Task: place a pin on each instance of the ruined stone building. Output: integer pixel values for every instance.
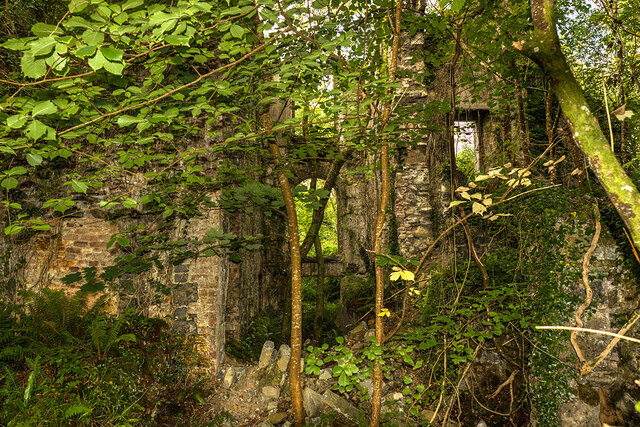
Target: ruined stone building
(214, 297)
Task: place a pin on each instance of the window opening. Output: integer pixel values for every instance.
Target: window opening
(465, 138)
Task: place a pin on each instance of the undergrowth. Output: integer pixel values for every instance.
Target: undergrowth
(66, 362)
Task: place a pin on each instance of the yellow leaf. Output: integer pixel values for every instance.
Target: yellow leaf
(487, 202)
(384, 312)
(478, 208)
(407, 275)
(395, 275)
(459, 189)
(465, 195)
(477, 196)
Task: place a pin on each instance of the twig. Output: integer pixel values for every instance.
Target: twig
(504, 384)
(591, 366)
(593, 331)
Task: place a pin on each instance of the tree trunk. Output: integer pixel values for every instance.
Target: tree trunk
(319, 314)
(376, 399)
(296, 284)
(543, 47)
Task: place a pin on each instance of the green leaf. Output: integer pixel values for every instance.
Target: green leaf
(43, 47)
(97, 61)
(167, 213)
(114, 67)
(17, 170)
(32, 67)
(237, 31)
(46, 30)
(85, 51)
(9, 183)
(132, 4)
(111, 53)
(78, 5)
(36, 130)
(40, 227)
(91, 37)
(14, 44)
(17, 121)
(44, 107)
(79, 186)
(456, 5)
(13, 229)
(129, 203)
(124, 121)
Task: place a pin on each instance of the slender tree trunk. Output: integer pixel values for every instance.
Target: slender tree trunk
(296, 283)
(523, 131)
(543, 47)
(319, 314)
(548, 109)
(376, 400)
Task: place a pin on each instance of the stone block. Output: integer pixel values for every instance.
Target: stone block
(277, 417)
(185, 294)
(270, 392)
(283, 357)
(311, 401)
(341, 406)
(266, 354)
(181, 268)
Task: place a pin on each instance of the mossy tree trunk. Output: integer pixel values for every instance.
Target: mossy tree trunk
(543, 47)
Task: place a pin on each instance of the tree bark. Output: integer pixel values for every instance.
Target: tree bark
(296, 283)
(543, 47)
(376, 399)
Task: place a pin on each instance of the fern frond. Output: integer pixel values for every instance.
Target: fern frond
(76, 409)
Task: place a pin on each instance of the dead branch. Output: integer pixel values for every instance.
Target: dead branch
(588, 292)
(504, 384)
(592, 331)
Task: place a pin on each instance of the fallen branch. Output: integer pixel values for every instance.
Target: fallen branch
(592, 331)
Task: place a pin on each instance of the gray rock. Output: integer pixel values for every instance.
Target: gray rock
(272, 405)
(284, 355)
(266, 354)
(341, 406)
(367, 385)
(277, 417)
(369, 334)
(362, 326)
(270, 392)
(578, 413)
(325, 374)
(311, 401)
